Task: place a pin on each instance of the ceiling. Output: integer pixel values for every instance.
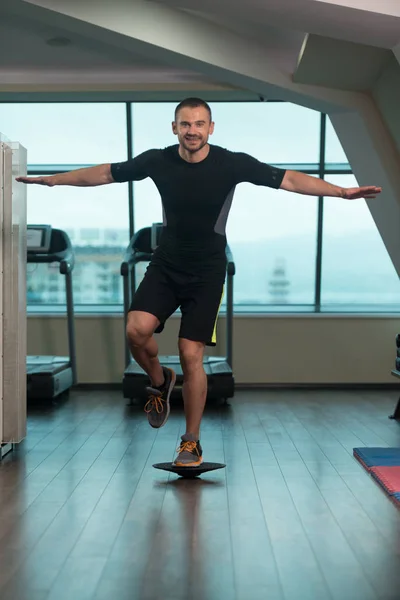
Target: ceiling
(283, 44)
(21, 34)
(338, 19)
(25, 56)
(279, 27)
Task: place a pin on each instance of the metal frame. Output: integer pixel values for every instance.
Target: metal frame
(230, 308)
(396, 414)
(129, 151)
(66, 265)
(320, 224)
(71, 325)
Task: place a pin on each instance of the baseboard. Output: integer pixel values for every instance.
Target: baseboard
(96, 387)
(264, 386)
(317, 386)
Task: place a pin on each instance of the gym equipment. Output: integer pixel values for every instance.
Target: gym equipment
(50, 376)
(372, 457)
(383, 464)
(396, 373)
(388, 477)
(396, 414)
(189, 472)
(12, 296)
(218, 368)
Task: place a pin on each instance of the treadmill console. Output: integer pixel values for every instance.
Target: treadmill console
(38, 238)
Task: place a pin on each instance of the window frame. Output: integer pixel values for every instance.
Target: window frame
(321, 169)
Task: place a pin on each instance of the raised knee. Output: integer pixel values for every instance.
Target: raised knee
(137, 334)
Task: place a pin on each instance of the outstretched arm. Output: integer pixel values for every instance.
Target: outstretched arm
(294, 181)
(91, 176)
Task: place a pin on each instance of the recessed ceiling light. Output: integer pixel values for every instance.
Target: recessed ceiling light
(58, 41)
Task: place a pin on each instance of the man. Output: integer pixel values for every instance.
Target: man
(196, 182)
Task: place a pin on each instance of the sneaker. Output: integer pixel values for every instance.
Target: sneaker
(190, 452)
(157, 406)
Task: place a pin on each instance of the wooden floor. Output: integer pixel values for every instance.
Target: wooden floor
(83, 515)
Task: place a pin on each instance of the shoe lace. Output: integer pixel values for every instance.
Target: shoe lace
(189, 446)
(154, 403)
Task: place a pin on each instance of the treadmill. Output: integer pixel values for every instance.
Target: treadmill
(218, 368)
(50, 376)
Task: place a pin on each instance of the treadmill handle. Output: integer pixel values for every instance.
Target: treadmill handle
(130, 260)
(230, 266)
(68, 262)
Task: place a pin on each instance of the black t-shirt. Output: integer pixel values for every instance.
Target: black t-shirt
(196, 199)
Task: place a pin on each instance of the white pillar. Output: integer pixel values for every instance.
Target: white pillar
(12, 294)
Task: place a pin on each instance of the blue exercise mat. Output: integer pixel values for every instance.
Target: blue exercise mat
(396, 498)
(378, 457)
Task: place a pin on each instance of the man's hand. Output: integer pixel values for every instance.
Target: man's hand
(367, 192)
(39, 180)
(295, 181)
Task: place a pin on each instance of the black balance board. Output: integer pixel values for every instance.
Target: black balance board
(189, 472)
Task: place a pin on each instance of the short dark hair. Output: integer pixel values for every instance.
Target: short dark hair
(193, 103)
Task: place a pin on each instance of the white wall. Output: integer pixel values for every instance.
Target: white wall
(267, 350)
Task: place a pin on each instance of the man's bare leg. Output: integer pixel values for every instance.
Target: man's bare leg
(194, 383)
(140, 329)
(143, 346)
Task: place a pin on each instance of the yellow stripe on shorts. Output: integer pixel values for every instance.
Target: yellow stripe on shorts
(214, 335)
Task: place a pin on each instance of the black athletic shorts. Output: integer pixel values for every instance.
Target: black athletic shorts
(163, 290)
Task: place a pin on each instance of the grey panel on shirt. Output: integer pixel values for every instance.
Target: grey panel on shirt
(220, 225)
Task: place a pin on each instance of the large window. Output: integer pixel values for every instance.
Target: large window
(97, 222)
(272, 234)
(357, 272)
(277, 132)
(67, 134)
(356, 268)
(62, 137)
(291, 252)
(151, 128)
